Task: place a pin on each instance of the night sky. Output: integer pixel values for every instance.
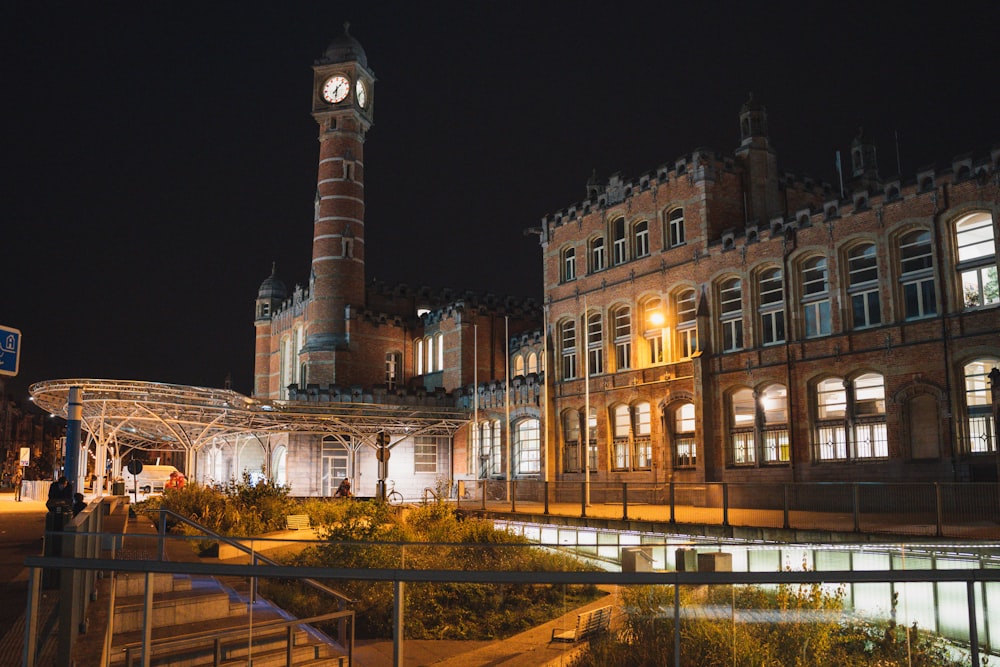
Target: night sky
(159, 156)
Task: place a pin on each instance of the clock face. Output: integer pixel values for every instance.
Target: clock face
(336, 88)
(361, 93)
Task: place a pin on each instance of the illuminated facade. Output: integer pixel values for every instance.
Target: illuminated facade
(725, 321)
(343, 341)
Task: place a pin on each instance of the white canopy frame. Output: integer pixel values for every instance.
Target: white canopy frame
(153, 416)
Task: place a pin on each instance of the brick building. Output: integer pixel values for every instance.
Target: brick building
(725, 321)
(716, 318)
(342, 341)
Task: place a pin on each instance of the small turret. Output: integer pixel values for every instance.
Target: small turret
(864, 165)
(270, 295)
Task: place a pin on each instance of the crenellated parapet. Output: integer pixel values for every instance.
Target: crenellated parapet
(525, 391)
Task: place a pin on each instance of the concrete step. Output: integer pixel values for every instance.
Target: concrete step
(134, 583)
(268, 649)
(198, 604)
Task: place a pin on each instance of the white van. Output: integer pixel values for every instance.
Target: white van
(152, 479)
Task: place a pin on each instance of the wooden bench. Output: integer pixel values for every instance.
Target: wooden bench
(297, 521)
(587, 623)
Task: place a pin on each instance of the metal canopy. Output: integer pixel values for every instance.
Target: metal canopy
(153, 415)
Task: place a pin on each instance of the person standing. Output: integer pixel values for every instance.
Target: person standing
(18, 478)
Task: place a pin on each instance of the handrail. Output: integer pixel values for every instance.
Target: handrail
(247, 550)
(429, 490)
(219, 636)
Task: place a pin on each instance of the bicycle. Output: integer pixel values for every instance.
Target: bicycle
(392, 496)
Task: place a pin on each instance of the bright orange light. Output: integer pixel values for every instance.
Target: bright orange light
(656, 318)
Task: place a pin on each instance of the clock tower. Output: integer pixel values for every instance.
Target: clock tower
(342, 102)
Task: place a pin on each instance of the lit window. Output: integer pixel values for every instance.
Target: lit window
(595, 344)
(815, 297)
(568, 348)
(527, 447)
(977, 260)
(640, 234)
(621, 430)
(870, 438)
(831, 411)
(862, 266)
(642, 447)
(653, 320)
(418, 356)
(773, 408)
(981, 431)
(772, 307)
(685, 446)
(741, 429)
(425, 454)
(687, 324)
(518, 365)
(623, 338)
(440, 351)
(430, 355)
(731, 305)
(532, 362)
(916, 263)
(675, 223)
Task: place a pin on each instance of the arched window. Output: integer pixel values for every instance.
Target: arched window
(279, 470)
(623, 338)
(567, 348)
(620, 242)
(743, 450)
(682, 429)
(642, 446)
(863, 288)
(440, 351)
(731, 314)
(489, 450)
(685, 304)
(640, 239)
(532, 362)
(831, 412)
(598, 259)
(431, 356)
(653, 330)
(771, 294)
(568, 265)
(916, 267)
(675, 226)
(975, 241)
(418, 355)
(571, 441)
(870, 439)
(527, 447)
(773, 408)
(981, 431)
(621, 428)
(595, 344)
(518, 365)
(816, 297)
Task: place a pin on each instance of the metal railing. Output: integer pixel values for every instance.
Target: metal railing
(979, 586)
(935, 509)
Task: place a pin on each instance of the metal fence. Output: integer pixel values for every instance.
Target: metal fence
(960, 510)
(972, 604)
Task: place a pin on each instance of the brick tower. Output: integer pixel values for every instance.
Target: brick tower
(343, 98)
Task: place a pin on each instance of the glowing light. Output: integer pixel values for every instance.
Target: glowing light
(656, 318)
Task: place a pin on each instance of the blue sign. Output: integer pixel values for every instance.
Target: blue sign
(10, 350)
